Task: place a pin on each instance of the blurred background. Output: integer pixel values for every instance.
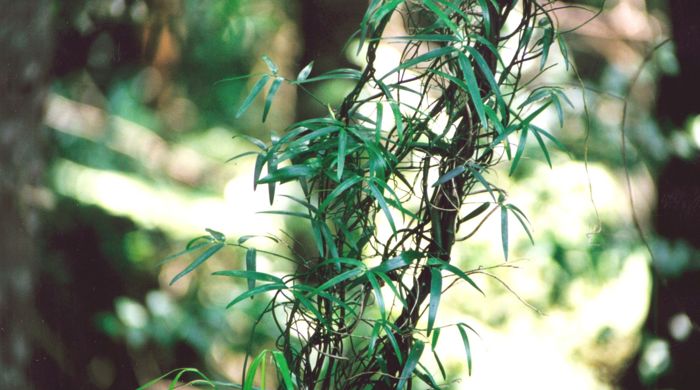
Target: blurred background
(116, 121)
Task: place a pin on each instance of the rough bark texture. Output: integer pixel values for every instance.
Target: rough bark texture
(25, 45)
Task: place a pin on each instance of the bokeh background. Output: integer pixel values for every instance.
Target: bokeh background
(116, 121)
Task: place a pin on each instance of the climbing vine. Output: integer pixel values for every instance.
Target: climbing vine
(388, 180)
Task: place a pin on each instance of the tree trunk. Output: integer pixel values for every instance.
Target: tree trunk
(25, 45)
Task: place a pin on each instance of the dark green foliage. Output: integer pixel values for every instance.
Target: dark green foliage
(455, 105)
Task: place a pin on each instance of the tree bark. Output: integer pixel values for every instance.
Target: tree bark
(25, 41)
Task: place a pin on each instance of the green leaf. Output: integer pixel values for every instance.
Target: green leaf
(519, 152)
(474, 169)
(522, 219)
(554, 140)
(336, 74)
(255, 91)
(434, 340)
(270, 65)
(198, 261)
(439, 363)
(423, 374)
(287, 213)
(192, 246)
(538, 137)
(392, 340)
(436, 53)
(393, 288)
(504, 231)
(435, 294)
(250, 375)
(456, 271)
(259, 163)
(342, 149)
(563, 49)
(176, 381)
(377, 290)
(398, 119)
(373, 338)
(288, 173)
(473, 88)
(450, 175)
(304, 73)
(271, 95)
(488, 75)
(385, 10)
(421, 38)
(308, 305)
(547, 39)
(400, 261)
(250, 275)
(442, 16)
(217, 236)
(271, 169)
(467, 348)
(257, 290)
(411, 362)
(236, 157)
(382, 204)
(283, 369)
(337, 191)
(476, 212)
(251, 265)
(486, 17)
(341, 278)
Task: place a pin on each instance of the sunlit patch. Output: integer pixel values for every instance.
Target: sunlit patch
(680, 326)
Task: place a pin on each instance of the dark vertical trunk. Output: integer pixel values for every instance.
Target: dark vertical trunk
(25, 44)
(677, 212)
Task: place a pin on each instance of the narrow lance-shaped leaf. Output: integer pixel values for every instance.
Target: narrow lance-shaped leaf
(442, 16)
(450, 175)
(198, 261)
(519, 151)
(283, 369)
(439, 363)
(342, 187)
(543, 147)
(467, 348)
(340, 278)
(342, 149)
(250, 375)
(476, 212)
(270, 65)
(254, 92)
(435, 294)
(522, 219)
(257, 290)
(271, 95)
(474, 169)
(398, 119)
(411, 362)
(547, 39)
(378, 297)
(304, 73)
(486, 15)
(382, 204)
(259, 163)
(473, 88)
(254, 275)
(504, 231)
(456, 271)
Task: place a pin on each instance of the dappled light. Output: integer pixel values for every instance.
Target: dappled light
(209, 193)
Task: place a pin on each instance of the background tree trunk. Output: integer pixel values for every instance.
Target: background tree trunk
(25, 44)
